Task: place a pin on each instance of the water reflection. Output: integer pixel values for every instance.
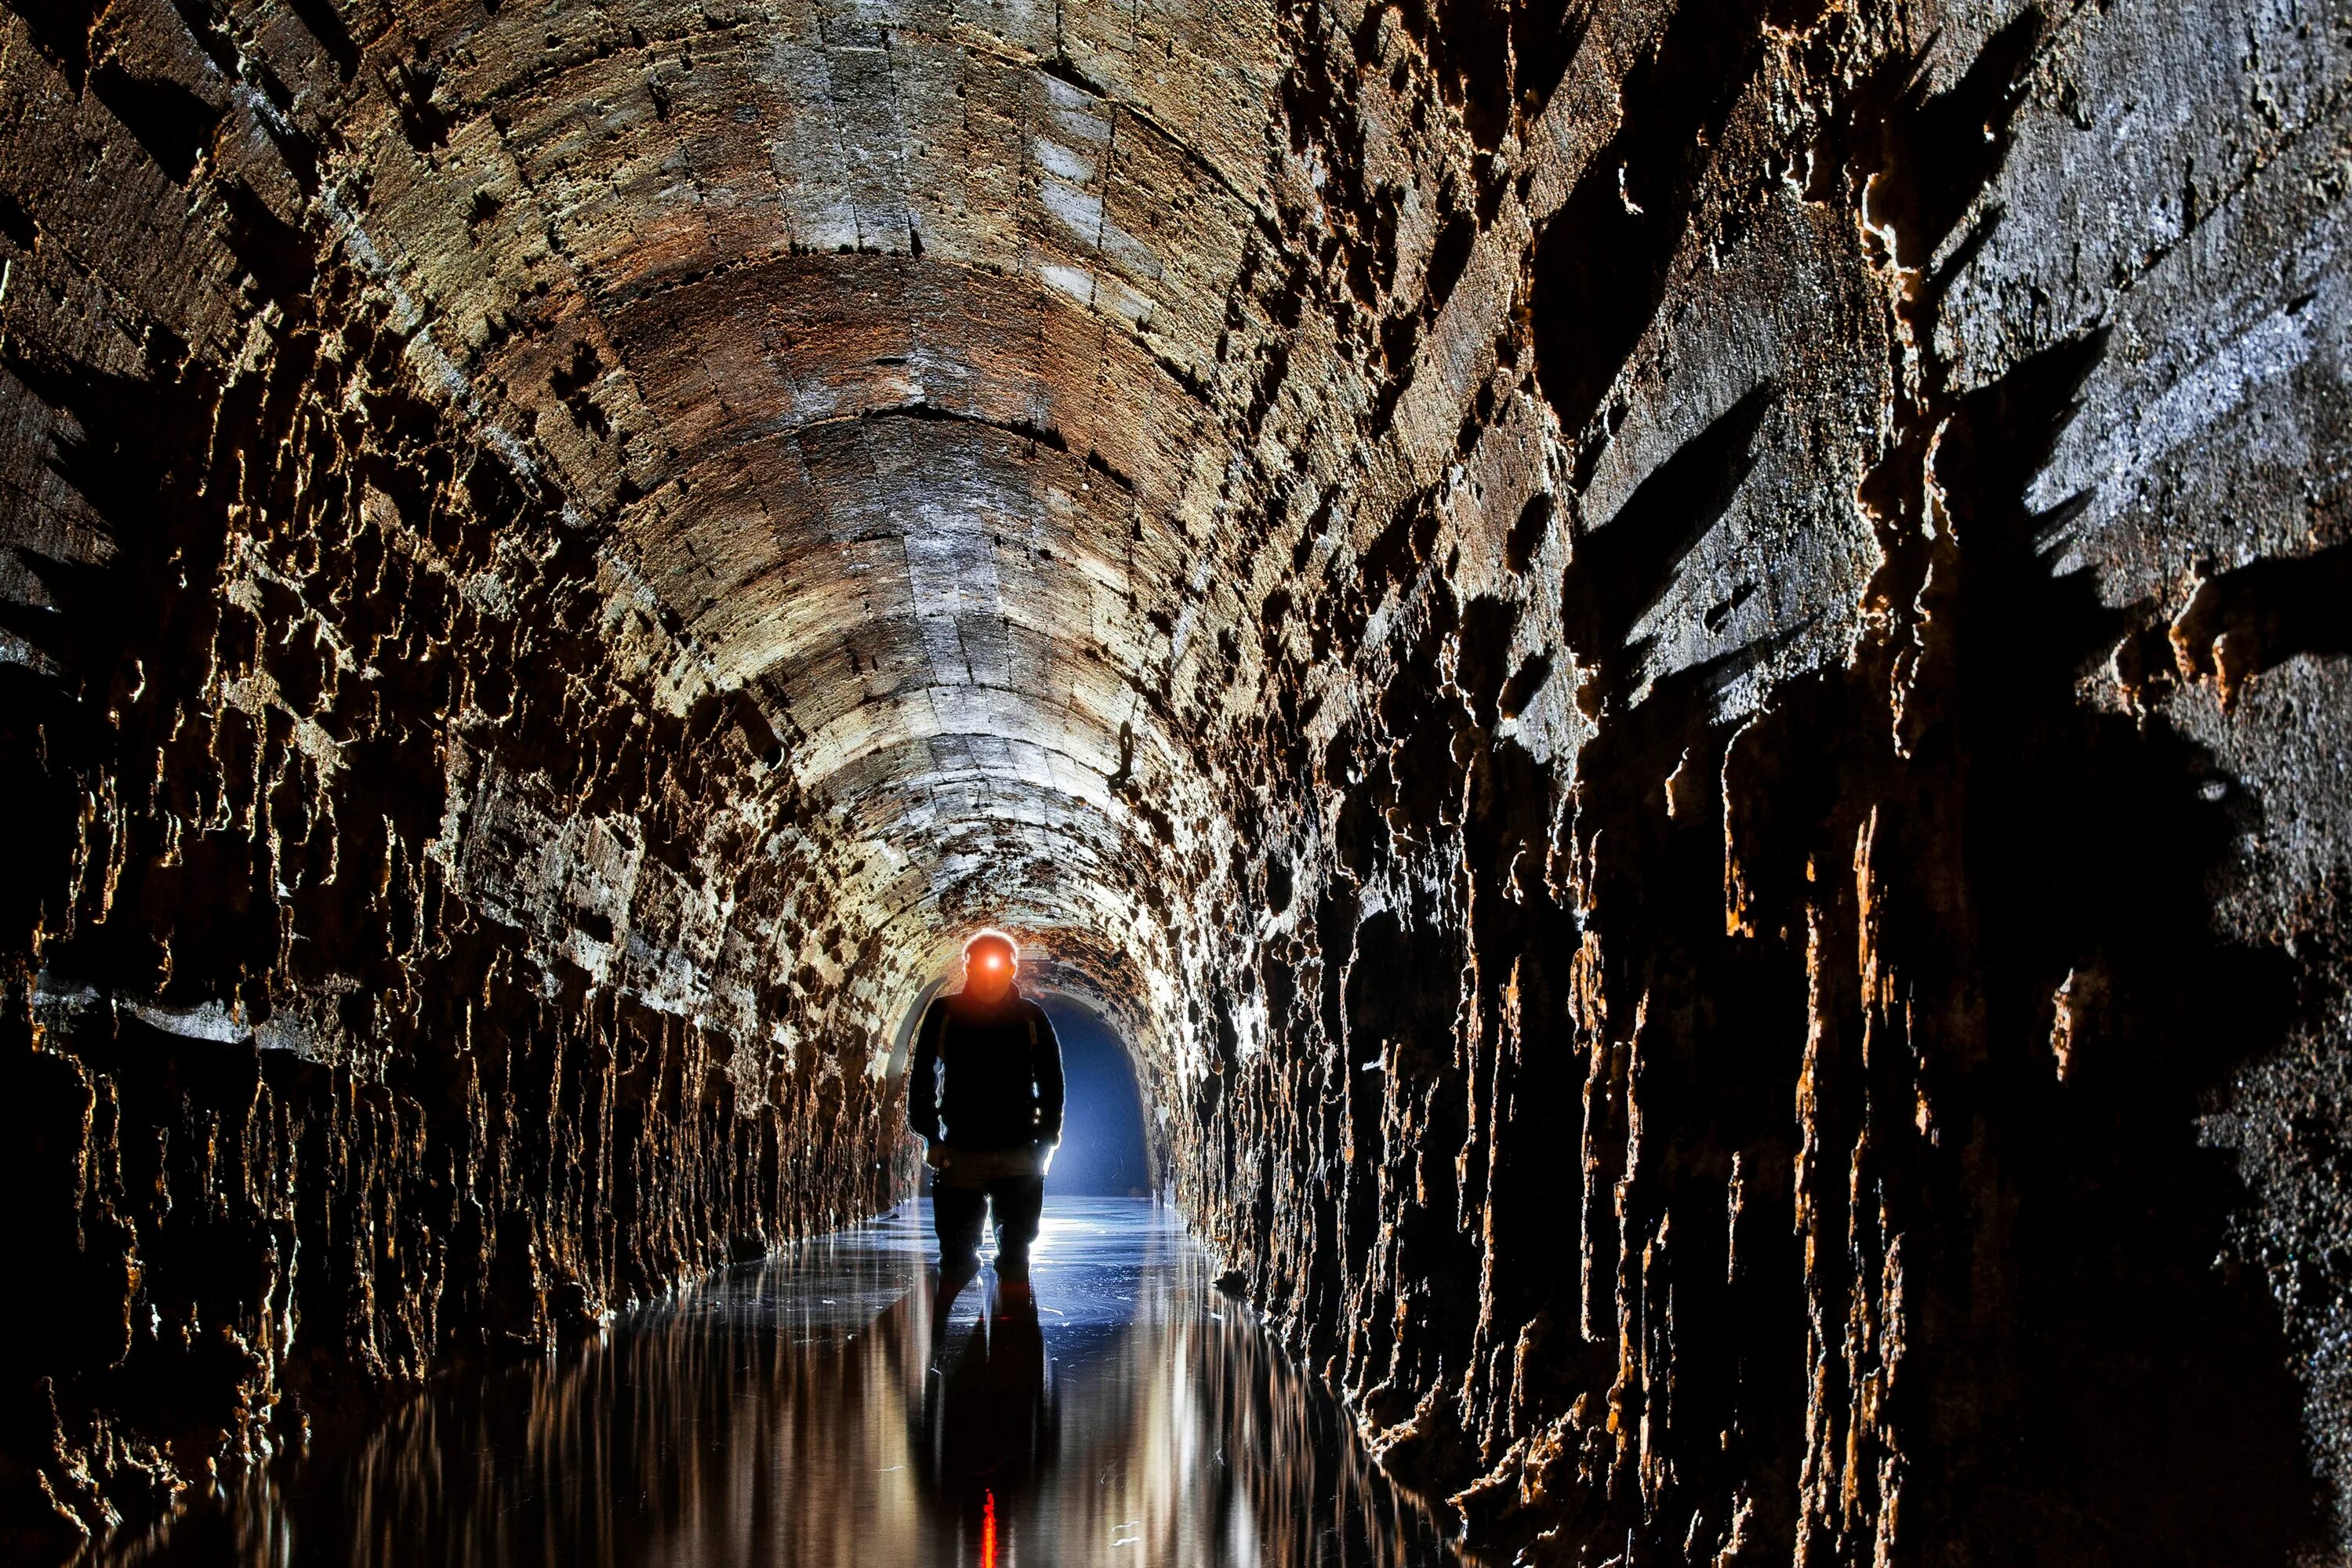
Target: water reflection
(827, 1408)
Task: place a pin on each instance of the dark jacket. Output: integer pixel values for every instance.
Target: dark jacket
(985, 1078)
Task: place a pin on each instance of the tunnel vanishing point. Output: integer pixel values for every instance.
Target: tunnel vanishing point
(1680, 666)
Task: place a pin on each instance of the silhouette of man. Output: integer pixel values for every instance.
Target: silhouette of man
(985, 1094)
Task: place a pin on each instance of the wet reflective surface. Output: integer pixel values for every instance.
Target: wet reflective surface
(820, 1409)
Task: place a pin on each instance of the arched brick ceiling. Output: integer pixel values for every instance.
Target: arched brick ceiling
(895, 334)
(1677, 653)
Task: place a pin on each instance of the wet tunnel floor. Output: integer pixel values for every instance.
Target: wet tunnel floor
(815, 1409)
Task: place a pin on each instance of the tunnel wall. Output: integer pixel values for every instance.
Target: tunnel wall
(409, 954)
(1789, 818)
(1728, 861)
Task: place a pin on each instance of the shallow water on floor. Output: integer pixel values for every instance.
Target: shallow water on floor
(817, 1409)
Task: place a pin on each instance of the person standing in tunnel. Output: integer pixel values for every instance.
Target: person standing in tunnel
(985, 1095)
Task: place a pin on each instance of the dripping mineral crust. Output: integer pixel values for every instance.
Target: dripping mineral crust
(1678, 665)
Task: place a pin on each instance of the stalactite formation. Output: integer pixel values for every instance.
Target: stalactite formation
(1680, 665)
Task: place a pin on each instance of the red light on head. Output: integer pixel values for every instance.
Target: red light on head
(990, 953)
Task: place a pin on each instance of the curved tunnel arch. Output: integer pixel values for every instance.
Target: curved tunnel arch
(1463, 573)
(981, 431)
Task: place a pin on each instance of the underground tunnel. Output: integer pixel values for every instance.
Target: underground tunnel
(1658, 687)
(1105, 1149)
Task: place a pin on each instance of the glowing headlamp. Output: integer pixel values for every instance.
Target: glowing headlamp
(991, 953)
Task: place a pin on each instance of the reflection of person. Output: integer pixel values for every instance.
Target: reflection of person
(988, 1421)
(985, 1093)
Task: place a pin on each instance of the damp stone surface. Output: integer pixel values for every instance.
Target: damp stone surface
(1679, 667)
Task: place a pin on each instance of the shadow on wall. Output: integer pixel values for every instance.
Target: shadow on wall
(1105, 1152)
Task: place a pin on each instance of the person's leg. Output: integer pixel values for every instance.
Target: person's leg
(956, 1214)
(1018, 1202)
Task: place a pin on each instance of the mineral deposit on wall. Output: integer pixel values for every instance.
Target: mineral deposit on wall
(1680, 663)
